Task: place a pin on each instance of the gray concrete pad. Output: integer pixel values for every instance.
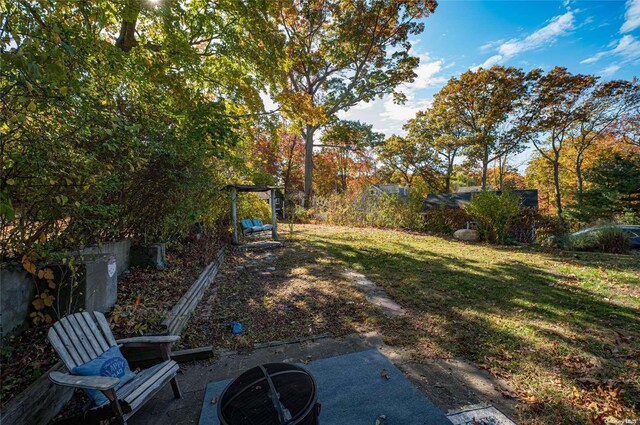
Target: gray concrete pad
(452, 385)
(194, 377)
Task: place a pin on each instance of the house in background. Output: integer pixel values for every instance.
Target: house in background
(392, 189)
(470, 189)
(279, 201)
(528, 199)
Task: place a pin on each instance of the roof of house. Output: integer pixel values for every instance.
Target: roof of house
(392, 188)
(465, 189)
(462, 199)
(250, 187)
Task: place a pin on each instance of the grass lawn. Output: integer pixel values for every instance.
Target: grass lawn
(562, 328)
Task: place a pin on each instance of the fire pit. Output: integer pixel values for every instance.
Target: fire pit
(270, 394)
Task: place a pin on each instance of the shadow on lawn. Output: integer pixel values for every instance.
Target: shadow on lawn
(510, 314)
(300, 297)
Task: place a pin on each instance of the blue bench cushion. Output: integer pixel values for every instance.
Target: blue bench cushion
(257, 222)
(246, 224)
(109, 363)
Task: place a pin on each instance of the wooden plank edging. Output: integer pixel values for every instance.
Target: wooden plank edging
(181, 312)
(38, 403)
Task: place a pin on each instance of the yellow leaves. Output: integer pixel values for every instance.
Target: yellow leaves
(39, 317)
(299, 107)
(31, 107)
(28, 264)
(45, 299)
(38, 303)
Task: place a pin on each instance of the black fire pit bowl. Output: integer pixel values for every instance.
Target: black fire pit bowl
(270, 394)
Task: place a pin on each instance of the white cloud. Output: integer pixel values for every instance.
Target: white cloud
(627, 48)
(426, 73)
(362, 106)
(403, 113)
(555, 28)
(493, 60)
(610, 70)
(594, 58)
(631, 16)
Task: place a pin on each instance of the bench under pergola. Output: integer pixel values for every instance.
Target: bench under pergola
(237, 188)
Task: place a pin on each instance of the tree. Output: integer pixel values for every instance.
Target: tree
(614, 188)
(446, 138)
(552, 108)
(352, 142)
(281, 157)
(481, 104)
(602, 109)
(628, 128)
(115, 116)
(410, 158)
(342, 52)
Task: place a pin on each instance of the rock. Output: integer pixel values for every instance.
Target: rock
(467, 235)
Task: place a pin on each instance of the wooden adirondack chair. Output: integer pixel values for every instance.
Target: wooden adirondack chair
(81, 337)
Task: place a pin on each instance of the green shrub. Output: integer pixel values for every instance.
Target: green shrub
(444, 220)
(605, 239)
(250, 206)
(494, 214)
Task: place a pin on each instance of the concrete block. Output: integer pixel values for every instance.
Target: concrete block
(92, 285)
(100, 283)
(17, 290)
(148, 256)
(119, 249)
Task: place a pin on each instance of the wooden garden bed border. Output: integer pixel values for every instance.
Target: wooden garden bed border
(181, 312)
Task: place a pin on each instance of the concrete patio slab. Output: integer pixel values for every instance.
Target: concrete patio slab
(452, 385)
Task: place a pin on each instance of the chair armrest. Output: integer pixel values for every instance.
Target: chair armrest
(149, 340)
(102, 383)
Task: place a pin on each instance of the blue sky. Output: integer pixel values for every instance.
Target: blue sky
(596, 37)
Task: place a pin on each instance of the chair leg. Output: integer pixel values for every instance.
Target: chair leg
(115, 405)
(176, 388)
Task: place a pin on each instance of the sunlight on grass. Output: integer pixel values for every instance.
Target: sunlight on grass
(562, 328)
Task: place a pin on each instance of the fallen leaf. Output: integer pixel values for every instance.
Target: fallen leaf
(384, 373)
(214, 400)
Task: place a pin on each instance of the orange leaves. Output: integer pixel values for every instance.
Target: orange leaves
(576, 362)
(604, 400)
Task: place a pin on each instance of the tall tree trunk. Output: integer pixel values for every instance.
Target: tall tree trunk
(308, 164)
(579, 160)
(447, 177)
(556, 187)
(485, 167)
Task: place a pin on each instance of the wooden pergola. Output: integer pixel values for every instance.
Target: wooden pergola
(237, 188)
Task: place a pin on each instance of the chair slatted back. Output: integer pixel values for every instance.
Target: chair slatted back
(81, 337)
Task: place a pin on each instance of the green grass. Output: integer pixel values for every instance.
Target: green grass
(563, 328)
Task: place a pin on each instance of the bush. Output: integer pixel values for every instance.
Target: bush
(494, 214)
(386, 211)
(605, 239)
(444, 220)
